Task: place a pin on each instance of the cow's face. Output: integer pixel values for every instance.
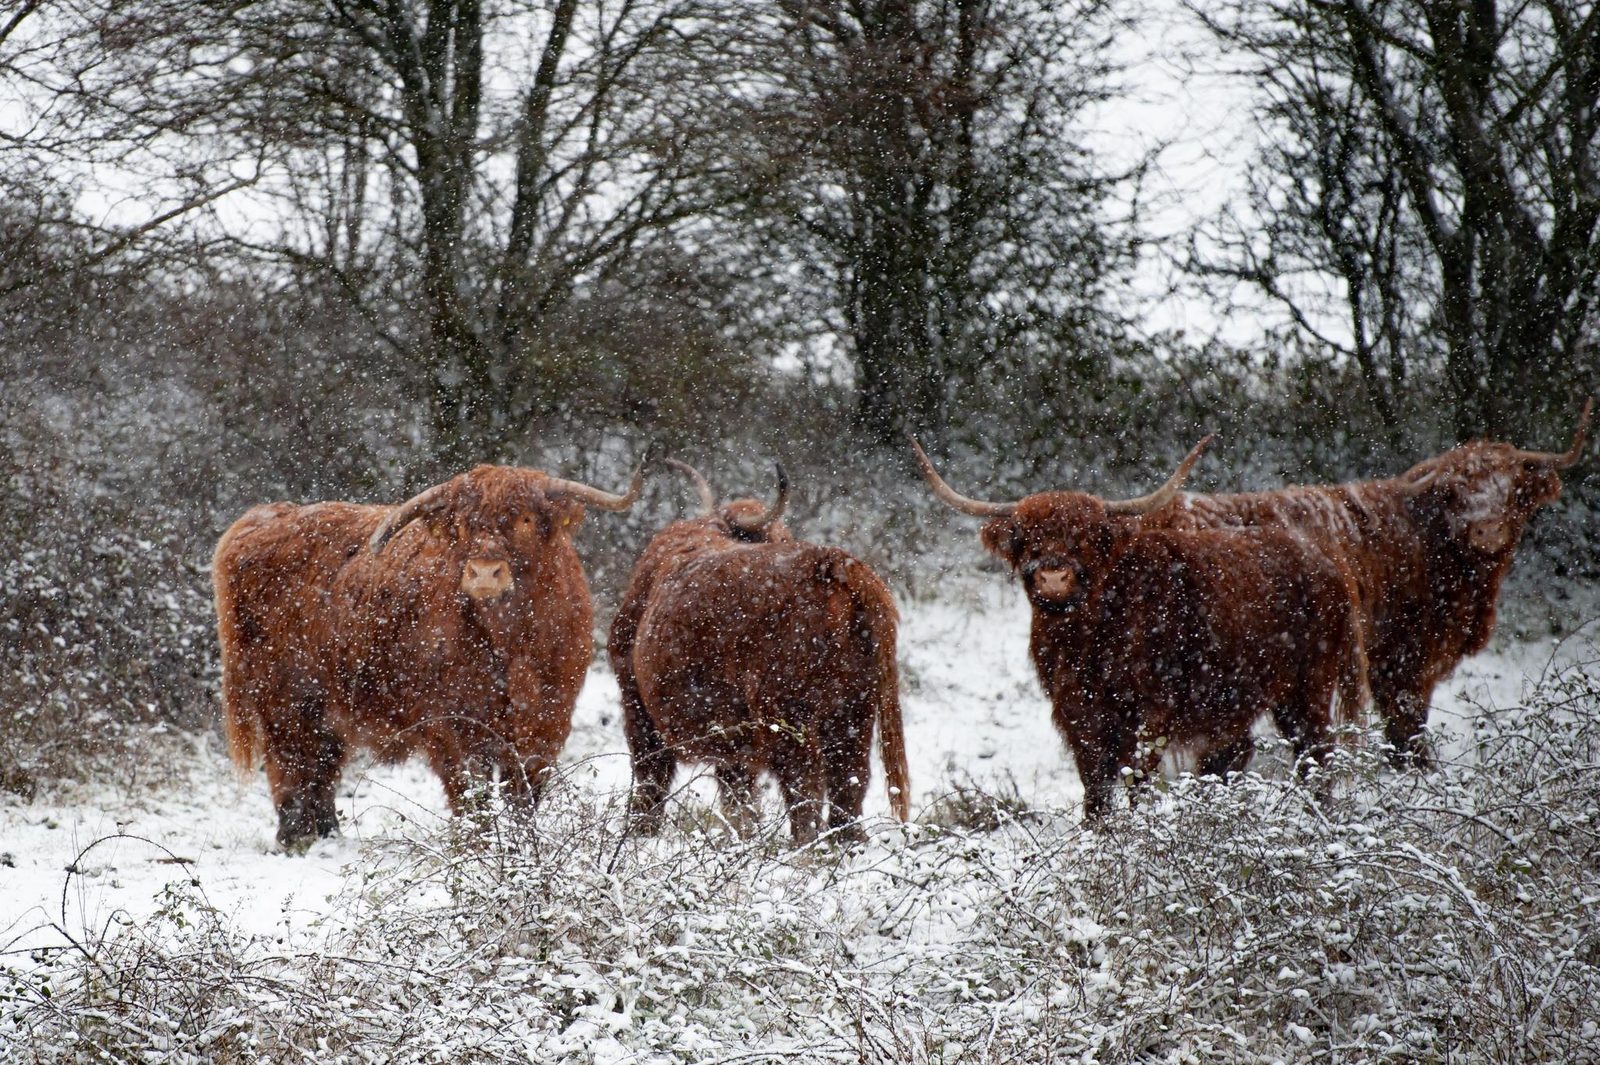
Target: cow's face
(1054, 542)
(499, 527)
(740, 515)
(1483, 494)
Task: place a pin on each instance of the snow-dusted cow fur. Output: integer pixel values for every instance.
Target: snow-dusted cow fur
(740, 647)
(1428, 551)
(1162, 640)
(1156, 640)
(456, 625)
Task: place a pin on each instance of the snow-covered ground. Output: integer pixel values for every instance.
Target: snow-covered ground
(974, 714)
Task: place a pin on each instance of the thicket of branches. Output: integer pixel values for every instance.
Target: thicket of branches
(526, 205)
(1427, 202)
(1431, 917)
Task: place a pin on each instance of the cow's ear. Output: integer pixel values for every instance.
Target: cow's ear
(1003, 539)
(565, 514)
(1428, 499)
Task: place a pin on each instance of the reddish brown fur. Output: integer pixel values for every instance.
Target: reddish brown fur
(757, 653)
(1428, 551)
(678, 543)
(1177, 640)
(780, 658)
(326, 645)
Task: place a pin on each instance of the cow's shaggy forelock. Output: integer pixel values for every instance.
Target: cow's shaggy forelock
(1065, 533)
(502, 501)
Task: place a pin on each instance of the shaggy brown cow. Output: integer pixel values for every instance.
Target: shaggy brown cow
(741, 521)
(457, 625)
(1156, 640)
(760, 656)
(1428, 550)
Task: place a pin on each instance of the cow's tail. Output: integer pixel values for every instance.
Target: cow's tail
(875, 623)
(241, 724)
(1355, 688)
(891, 732)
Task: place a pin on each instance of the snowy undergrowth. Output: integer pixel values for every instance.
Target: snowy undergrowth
(1453, 915)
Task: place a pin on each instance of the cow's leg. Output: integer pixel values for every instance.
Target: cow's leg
(1081, 731)
(1122, 759)
(522, 780)
(846, 769)
(800, 780)
(303, 761)
(537, 721)
(736, 790)
(1403, 720)
(1402, 694)
(533, 779)
(1306, 725)
(1145, 760)
(524, 763)
(1309, 725)
(1227, 758)
(331, 756)
(449, 764)
(1305, 718)
(653, 761)
(1098, 768)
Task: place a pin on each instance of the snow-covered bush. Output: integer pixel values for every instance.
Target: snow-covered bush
(107, 633)
(1448, 916)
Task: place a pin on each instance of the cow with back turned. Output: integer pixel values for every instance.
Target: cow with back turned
(456, 625)
(740, 647)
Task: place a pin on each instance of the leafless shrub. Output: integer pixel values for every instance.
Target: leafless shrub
(1411, 917)
(106, 629)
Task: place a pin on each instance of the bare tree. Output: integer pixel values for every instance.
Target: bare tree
(57, 127)
(919, 165)
(1429, 176)
(462, 170)
(528, 150)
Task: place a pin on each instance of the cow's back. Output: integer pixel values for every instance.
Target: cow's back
(1365, 523)
(674, 546)
(1213, 628)
(738, 637)
(1364, 527)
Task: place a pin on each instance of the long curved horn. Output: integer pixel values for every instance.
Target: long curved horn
(406, 512)
(595, 497)
(978, 508)
(1561, 460)
(758, 526)
(708, 498)
(1166, 493)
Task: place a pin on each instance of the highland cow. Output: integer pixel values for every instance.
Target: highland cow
(740, 647)
(456, 625)
(1151, 641)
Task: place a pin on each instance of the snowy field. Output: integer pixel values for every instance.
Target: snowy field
(956, 939)
(974, 716)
